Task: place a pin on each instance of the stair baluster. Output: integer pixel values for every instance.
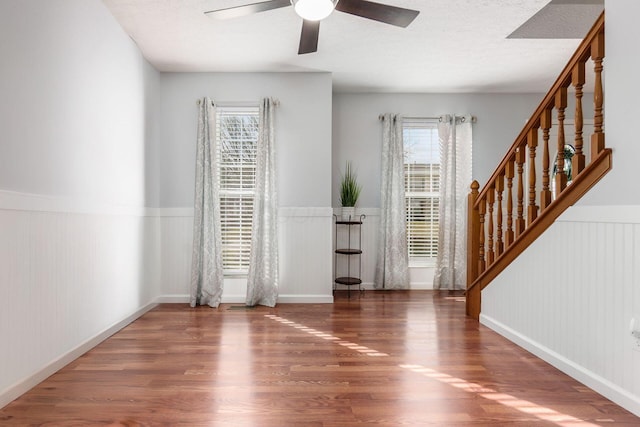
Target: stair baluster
(561, 176)
(499, 190)
(545, 194)
(520, 224)
(532, 143)
(490, 201)
(597, 54)
(481, 261)
(509, 174)
(578, 80)
(519, 234)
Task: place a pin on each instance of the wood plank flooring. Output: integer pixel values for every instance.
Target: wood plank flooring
(381, 358)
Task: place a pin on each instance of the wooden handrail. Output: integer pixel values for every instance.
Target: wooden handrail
(581, 55)
(491, 250)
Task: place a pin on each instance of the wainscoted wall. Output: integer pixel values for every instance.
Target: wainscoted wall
(571, 296)
(305, 256)
(176, 231)
(79, 125)
(72, 274)
(420, 277)
(357, 132)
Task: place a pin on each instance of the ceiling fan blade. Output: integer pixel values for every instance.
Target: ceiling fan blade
(309, 37)
(248, 9)
(393, 15)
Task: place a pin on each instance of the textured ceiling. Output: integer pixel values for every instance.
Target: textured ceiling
(452, 46)
(561, 19)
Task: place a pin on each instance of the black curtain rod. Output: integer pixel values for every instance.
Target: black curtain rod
(473, 118)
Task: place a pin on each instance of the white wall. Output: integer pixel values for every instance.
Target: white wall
(303, 157)
(570, 297)
(303, 131)
(61, 81)
(78, 164)
(357, 132)
(621, 111)
(357, 137)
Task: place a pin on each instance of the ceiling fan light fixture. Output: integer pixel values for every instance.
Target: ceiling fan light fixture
(314, 10)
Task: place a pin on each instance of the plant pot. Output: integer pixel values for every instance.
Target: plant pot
(348, 213)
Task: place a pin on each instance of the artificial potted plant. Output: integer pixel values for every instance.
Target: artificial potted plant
(349, 193)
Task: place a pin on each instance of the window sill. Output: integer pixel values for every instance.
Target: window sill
(422, 264)
(235, 274)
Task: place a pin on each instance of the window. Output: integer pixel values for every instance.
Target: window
(422, 186)
(236, 141)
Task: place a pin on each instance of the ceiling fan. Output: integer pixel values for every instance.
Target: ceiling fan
(313, 11)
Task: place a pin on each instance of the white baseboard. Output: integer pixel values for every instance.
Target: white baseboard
(305, 299)
(240, 299)
(172, 299)
(606, 388)
(13, 392)
(233, 299)
(368, 286)
(185, 299)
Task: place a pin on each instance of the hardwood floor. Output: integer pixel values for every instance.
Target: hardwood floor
(382, 358)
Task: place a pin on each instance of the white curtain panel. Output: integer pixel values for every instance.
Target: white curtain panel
(455, 135)
(206, 263)
(262, 279)
(392, 260)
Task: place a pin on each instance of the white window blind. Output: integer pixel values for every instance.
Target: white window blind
(236, 141)
(422, 187)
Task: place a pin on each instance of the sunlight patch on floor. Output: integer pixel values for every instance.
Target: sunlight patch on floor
(524, 406)
(350, 345)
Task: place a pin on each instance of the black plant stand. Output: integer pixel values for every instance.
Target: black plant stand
(353, 277)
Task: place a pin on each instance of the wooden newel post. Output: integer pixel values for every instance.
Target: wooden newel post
(473, 230)
(473, 249)
(474, 302)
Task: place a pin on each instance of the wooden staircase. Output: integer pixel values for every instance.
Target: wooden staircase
(497, 234)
